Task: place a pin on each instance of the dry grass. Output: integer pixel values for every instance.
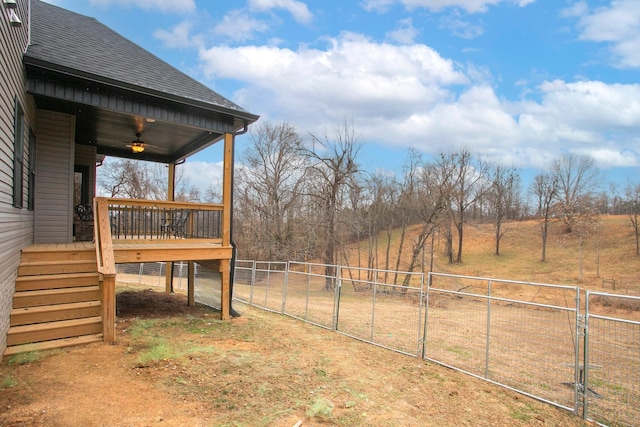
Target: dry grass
(609, 261)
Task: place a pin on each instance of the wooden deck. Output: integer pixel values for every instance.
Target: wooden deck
(134, 251)
(173, 250)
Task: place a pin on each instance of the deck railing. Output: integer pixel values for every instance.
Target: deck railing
(162, 220)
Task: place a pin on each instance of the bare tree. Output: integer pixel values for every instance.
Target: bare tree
(124, 178)
(270, 187)
(333, 166)
(577, 179)
(545, 190)
(468, 184)
(134, 179)
(382, 193)
(432, 203)
(406, 207)
(503, 198)
(632, 193)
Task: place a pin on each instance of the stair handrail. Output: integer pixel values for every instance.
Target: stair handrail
(106, 267)
(102, 237)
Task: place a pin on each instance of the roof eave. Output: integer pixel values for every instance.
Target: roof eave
(244, 117)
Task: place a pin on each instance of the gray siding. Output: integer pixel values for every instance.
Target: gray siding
(16, 225)
(54, 177)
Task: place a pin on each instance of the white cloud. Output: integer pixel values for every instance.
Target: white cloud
(297, 9)
(617, 24)
(593, 105)
(405, 33)
(576, 10)
(179, 37)
(202, 175)
(352, 75)
(161, 5)
(238, 26)
(470, 6)
(460, 27)
(409, 95)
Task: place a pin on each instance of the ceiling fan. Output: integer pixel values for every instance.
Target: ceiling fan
(137, 146)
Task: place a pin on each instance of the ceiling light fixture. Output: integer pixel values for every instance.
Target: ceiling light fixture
(137, 146)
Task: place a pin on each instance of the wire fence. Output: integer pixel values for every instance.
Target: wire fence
(612, 359)
(528, 337)
(511, 333)
(207, 288)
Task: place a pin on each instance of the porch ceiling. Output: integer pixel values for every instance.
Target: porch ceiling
(109, 118)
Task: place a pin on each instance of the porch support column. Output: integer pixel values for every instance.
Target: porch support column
(191, 297)
(171, 185)
(227, 190)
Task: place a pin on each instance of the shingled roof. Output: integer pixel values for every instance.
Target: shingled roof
(80, 46)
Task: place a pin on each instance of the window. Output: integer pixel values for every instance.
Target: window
(18, 154)
(81, 185)
(31, 201)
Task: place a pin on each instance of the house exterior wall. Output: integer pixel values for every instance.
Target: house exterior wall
(16, 224)
(54, 177)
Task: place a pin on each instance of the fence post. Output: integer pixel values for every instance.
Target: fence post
(307, 269)
(140, 272)
(486, 366)
(336, 302)
(373, 306)
(266, 289)
(284, 287)
(418, 338)
(253, 281)
(585, 379)
(426, 314)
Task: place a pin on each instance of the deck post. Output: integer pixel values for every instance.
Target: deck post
(171, 185)
(109, 308)
(224, 294)
(191, 297)
(227, 197)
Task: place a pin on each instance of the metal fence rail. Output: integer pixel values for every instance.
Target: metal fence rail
(375, 309)
(612, 359)
(310, 293)
(525, 344)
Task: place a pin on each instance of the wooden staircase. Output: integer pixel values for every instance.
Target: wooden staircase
(57, 299)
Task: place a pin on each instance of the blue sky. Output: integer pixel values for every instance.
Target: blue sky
(517, 82)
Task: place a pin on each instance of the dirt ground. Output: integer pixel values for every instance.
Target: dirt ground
(176, 365)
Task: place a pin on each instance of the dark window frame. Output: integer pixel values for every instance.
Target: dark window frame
(18, 154)
(31, 200)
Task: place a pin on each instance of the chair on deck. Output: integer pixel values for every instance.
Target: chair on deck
(83, 222)
(175, 224)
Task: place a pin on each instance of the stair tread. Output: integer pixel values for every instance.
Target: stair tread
(56, 291)
(55, 247)
(55, 307)
(56, 276)
(49, 345)
(21, 329)
(57, 262)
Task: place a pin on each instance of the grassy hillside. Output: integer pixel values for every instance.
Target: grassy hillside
(609, 262)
